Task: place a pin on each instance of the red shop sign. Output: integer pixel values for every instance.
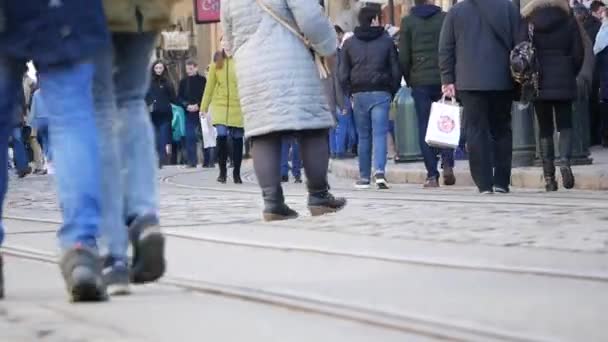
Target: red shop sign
(207, 11)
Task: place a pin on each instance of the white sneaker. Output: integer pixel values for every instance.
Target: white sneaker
(381, 182)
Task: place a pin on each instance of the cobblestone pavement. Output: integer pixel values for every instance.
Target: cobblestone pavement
(568, 220)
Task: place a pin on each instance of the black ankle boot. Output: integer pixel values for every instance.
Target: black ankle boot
(275, 208)
(547, 153)
(323, 202)
(565, 151)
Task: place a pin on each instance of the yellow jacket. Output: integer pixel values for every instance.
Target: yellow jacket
(122, 16)
(221, 96)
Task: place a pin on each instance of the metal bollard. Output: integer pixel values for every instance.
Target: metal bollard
(406, 128)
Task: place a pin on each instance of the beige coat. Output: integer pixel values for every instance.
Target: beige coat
(122, 14)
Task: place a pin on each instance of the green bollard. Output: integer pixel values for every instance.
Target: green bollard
(524, 145)
(406, 128)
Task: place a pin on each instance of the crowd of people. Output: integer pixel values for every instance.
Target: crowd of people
(103, 123)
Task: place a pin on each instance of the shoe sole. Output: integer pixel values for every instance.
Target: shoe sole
(119, 290)
(567, 178)
(362, 187)
(320, 211)
(276, 217)
(89, 288)
(382, 186)
(150, 265)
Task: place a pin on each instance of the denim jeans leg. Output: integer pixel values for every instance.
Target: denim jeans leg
(341, 134)
(423, 103)
(380, 128)
(109, 125)
(132, 52)
(296, 161)
(364, 130)
(21, 162)
(192, 121)
(285, 145)
(69, 98)
(332, 140)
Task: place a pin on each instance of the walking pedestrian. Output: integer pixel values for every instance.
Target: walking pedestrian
(418, 54)
(130, 203)
(282, 94)
(474, 48)
(559, 47)
(601, 51)
(370, 72)
(40, 123)
(190, 95)
(159, 99)
(291, 148)
(60, 37)
(222, 99)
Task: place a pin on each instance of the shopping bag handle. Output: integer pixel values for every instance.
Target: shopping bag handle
(444, 97)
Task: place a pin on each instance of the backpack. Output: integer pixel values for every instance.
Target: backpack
(525, 68)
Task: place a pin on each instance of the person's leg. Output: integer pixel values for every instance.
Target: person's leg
(237, 152)
(141, 210)
(476, 112)
(332, 136)
(191, 124)
(222, 152)
(502, 137)
(285, 147)
(423, 103)
(296, 162)
(362, 110)
(67, 93)
(21, 163)
(266, 151)
(341, 134)
(315, 157)
(563, 119)
(544, 116)
(11, 72)
(604, 123)
(37, 152)
(380, 118)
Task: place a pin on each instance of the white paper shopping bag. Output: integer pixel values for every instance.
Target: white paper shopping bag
(444, 124)
(209, 132)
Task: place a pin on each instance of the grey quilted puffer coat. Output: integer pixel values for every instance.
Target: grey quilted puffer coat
(278, 81)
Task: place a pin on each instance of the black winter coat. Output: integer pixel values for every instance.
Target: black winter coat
(159, 98)
(369, 62)
(559, 47)
(602, 68)
(191, 90)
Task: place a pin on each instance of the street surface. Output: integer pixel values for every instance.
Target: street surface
(402, 265)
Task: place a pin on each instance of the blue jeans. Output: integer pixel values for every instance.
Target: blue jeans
(296, 161)
(163, 138)
(67, 92)
(424, 96)
(21, 160)
(130, 161)
(371, 117)
(226, 131)
(192, 123)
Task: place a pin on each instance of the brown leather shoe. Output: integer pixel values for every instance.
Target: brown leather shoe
(431, 183)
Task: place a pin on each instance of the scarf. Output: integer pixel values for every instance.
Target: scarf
(601, 42)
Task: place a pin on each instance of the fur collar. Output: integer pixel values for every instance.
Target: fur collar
(536, 4)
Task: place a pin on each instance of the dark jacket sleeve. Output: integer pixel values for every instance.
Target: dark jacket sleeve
(344, 68)
(395, 69)
(405, 49)
(447, 50)
(181, 94)
(518, 24)
(578, 49)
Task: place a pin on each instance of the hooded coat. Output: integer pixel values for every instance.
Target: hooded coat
(418, 45)
(559, 47)
(278, 81)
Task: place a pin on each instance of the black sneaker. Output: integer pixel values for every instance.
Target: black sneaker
(148, 250)
(298, 180)
(116, 278)
(362, 184)
(82, 272)
(284, 179)
(381, 182)
(501, 190)
(1, 277)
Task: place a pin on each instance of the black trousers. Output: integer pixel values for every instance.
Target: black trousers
(314, 151)
(487, 122)
(545, 111)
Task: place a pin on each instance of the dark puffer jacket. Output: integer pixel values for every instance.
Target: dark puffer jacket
(559, 46)
(419, 45)
(160, 97)
(369, 62)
